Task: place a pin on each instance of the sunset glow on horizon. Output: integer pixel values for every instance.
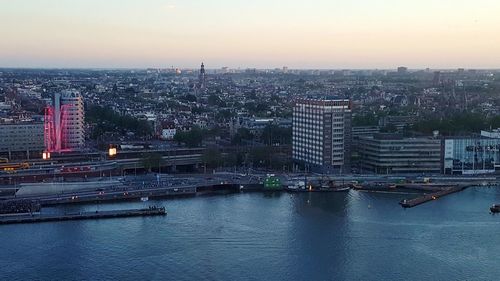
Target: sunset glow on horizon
(260, 33)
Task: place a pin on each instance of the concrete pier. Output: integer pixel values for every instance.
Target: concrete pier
(152, 211)
(113, 195)
(409, 203)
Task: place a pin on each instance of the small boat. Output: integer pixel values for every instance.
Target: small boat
(341, 188)
(144, 199)
(296, 186)
(333, 187)
(495, 208)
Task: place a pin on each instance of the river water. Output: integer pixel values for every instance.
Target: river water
(256, 236)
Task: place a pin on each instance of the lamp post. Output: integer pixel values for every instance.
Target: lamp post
(46, 155)
(112, 151)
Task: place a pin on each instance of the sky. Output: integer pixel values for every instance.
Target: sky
(328, 34)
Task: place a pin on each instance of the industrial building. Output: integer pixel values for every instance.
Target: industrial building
(321, 138)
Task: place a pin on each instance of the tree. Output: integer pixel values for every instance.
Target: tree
(242, 134)
(273, 134)
(212, 157)
(192, 138)
(260, 156)
(179, 137)
(213, 99)
(495, 122)
(189, 97)
(152, 160)
(458, 123)
(224, 114)
(106, 120)
(369, 119)
(230, 159)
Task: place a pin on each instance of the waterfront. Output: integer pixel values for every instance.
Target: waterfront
(259, 236)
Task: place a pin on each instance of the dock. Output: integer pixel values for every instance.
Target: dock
(112, 195)
(124, 194)
(410, 203)
(34, 218)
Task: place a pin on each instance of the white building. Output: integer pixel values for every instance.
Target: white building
(494, 134)
(64, 124)
(322, 134)
(168, 133)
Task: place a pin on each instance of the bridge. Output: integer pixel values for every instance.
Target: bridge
(166, 161)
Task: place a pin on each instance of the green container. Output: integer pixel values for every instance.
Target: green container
(272, 183)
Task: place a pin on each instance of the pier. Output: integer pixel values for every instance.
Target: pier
(24, 218)
(122, 194)
(409, 203)
(136, 193)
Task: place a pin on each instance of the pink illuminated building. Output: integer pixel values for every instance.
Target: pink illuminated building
(64, 123)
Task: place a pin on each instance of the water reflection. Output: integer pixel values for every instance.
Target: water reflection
(266, 236)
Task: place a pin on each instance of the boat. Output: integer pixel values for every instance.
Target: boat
(333, 186)
(144, 199)
(330, 186)
(495, 208)
(341, 189)
(375, 186)
(296, 185)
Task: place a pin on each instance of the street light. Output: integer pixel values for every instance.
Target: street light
(112, 151)
(46, 155)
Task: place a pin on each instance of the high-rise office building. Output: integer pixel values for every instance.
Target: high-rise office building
(322, 134)
(64, 122)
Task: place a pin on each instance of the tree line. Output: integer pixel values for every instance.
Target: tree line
(462, 123)
(106, 120)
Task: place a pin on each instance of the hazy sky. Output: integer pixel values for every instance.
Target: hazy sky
(250, 33)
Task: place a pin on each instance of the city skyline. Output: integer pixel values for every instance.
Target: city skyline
(360, 34)
(264, 140)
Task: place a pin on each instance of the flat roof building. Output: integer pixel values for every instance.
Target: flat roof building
(21, 137)
(494, 134)
(321, 138)
(393, 154)
(470, 156)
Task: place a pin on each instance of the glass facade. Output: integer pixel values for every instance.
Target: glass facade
(471, 155)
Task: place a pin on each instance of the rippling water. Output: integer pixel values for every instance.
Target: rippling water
(313, 236)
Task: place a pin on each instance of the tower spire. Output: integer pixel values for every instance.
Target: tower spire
(201, 77)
